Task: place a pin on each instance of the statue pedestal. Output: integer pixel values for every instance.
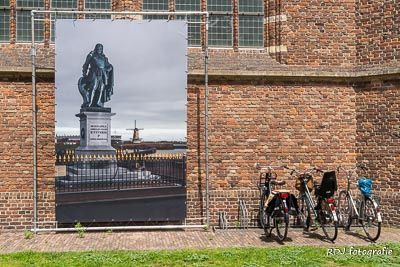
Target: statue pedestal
(95, 132)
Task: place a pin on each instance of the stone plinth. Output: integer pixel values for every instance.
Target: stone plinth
(95, 132)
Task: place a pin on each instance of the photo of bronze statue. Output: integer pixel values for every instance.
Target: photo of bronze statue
(97, 81)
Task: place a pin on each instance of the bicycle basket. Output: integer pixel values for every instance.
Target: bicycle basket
(365, 186)
(299, 185)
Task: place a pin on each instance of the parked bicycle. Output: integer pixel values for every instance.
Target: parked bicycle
(365, 210)
(324, 211)
(275, 204)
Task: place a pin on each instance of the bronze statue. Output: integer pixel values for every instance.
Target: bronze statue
(97, 81)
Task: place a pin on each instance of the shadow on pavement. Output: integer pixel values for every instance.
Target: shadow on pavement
(313, 234)
(274, 239)
(358, 235)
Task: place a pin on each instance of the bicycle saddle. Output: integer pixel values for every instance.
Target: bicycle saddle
(275, 182)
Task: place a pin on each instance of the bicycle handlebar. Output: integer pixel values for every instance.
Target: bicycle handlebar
(351, 172)
(353, 169)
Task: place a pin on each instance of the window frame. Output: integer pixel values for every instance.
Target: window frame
(98, 16)
(221, 13)
(191, 18)
(6, 9)
(223, 37)
(64, 8)
(75, 16)
(155, 17)
(19, 10)
(53, 20)
(250, 14)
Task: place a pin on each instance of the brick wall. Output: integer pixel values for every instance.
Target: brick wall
(18, 56)
(272, 123)
(378, 140)
(16, 183)
(299, 124)
(378, 40)
(294, 124)
(320, 32)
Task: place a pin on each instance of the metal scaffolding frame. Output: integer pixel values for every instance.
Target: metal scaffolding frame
(205, 21)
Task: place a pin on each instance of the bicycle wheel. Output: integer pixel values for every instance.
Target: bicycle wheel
(345, 210)
(369, 220)
(327, 221)
(305, 213)
(261, 212)
(281, 224)
(268, 227)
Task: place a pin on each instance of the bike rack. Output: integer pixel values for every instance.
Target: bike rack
(222, 221)
(243, 214)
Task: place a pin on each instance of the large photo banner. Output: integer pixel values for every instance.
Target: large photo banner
(120, 121)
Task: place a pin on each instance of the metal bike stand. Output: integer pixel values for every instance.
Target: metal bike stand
(243, 214)
(222, 221)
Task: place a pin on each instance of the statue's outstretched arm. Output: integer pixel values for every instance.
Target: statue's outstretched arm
(86, 64)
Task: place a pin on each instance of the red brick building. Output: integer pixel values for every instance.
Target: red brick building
(291, 82)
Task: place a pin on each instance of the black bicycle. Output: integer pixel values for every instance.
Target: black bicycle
(365, 210)
(274, 205)
(324, 211)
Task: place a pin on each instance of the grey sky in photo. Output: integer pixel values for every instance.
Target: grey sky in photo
(150, 79)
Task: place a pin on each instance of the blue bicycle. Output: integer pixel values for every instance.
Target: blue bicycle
(364, 211)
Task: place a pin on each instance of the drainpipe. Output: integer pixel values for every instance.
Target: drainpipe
(34, 137)
(206, 121)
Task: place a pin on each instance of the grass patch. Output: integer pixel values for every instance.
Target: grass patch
(28, 234)
(246, 257)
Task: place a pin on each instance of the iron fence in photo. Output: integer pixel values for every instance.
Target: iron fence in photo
(79, 173)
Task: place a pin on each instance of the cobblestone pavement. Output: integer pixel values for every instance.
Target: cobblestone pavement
(160, 240)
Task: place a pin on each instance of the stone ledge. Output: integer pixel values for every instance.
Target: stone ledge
(25, 74)
(303, 73)
(292, 72)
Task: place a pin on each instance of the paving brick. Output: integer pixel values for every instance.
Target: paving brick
(171, 240)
